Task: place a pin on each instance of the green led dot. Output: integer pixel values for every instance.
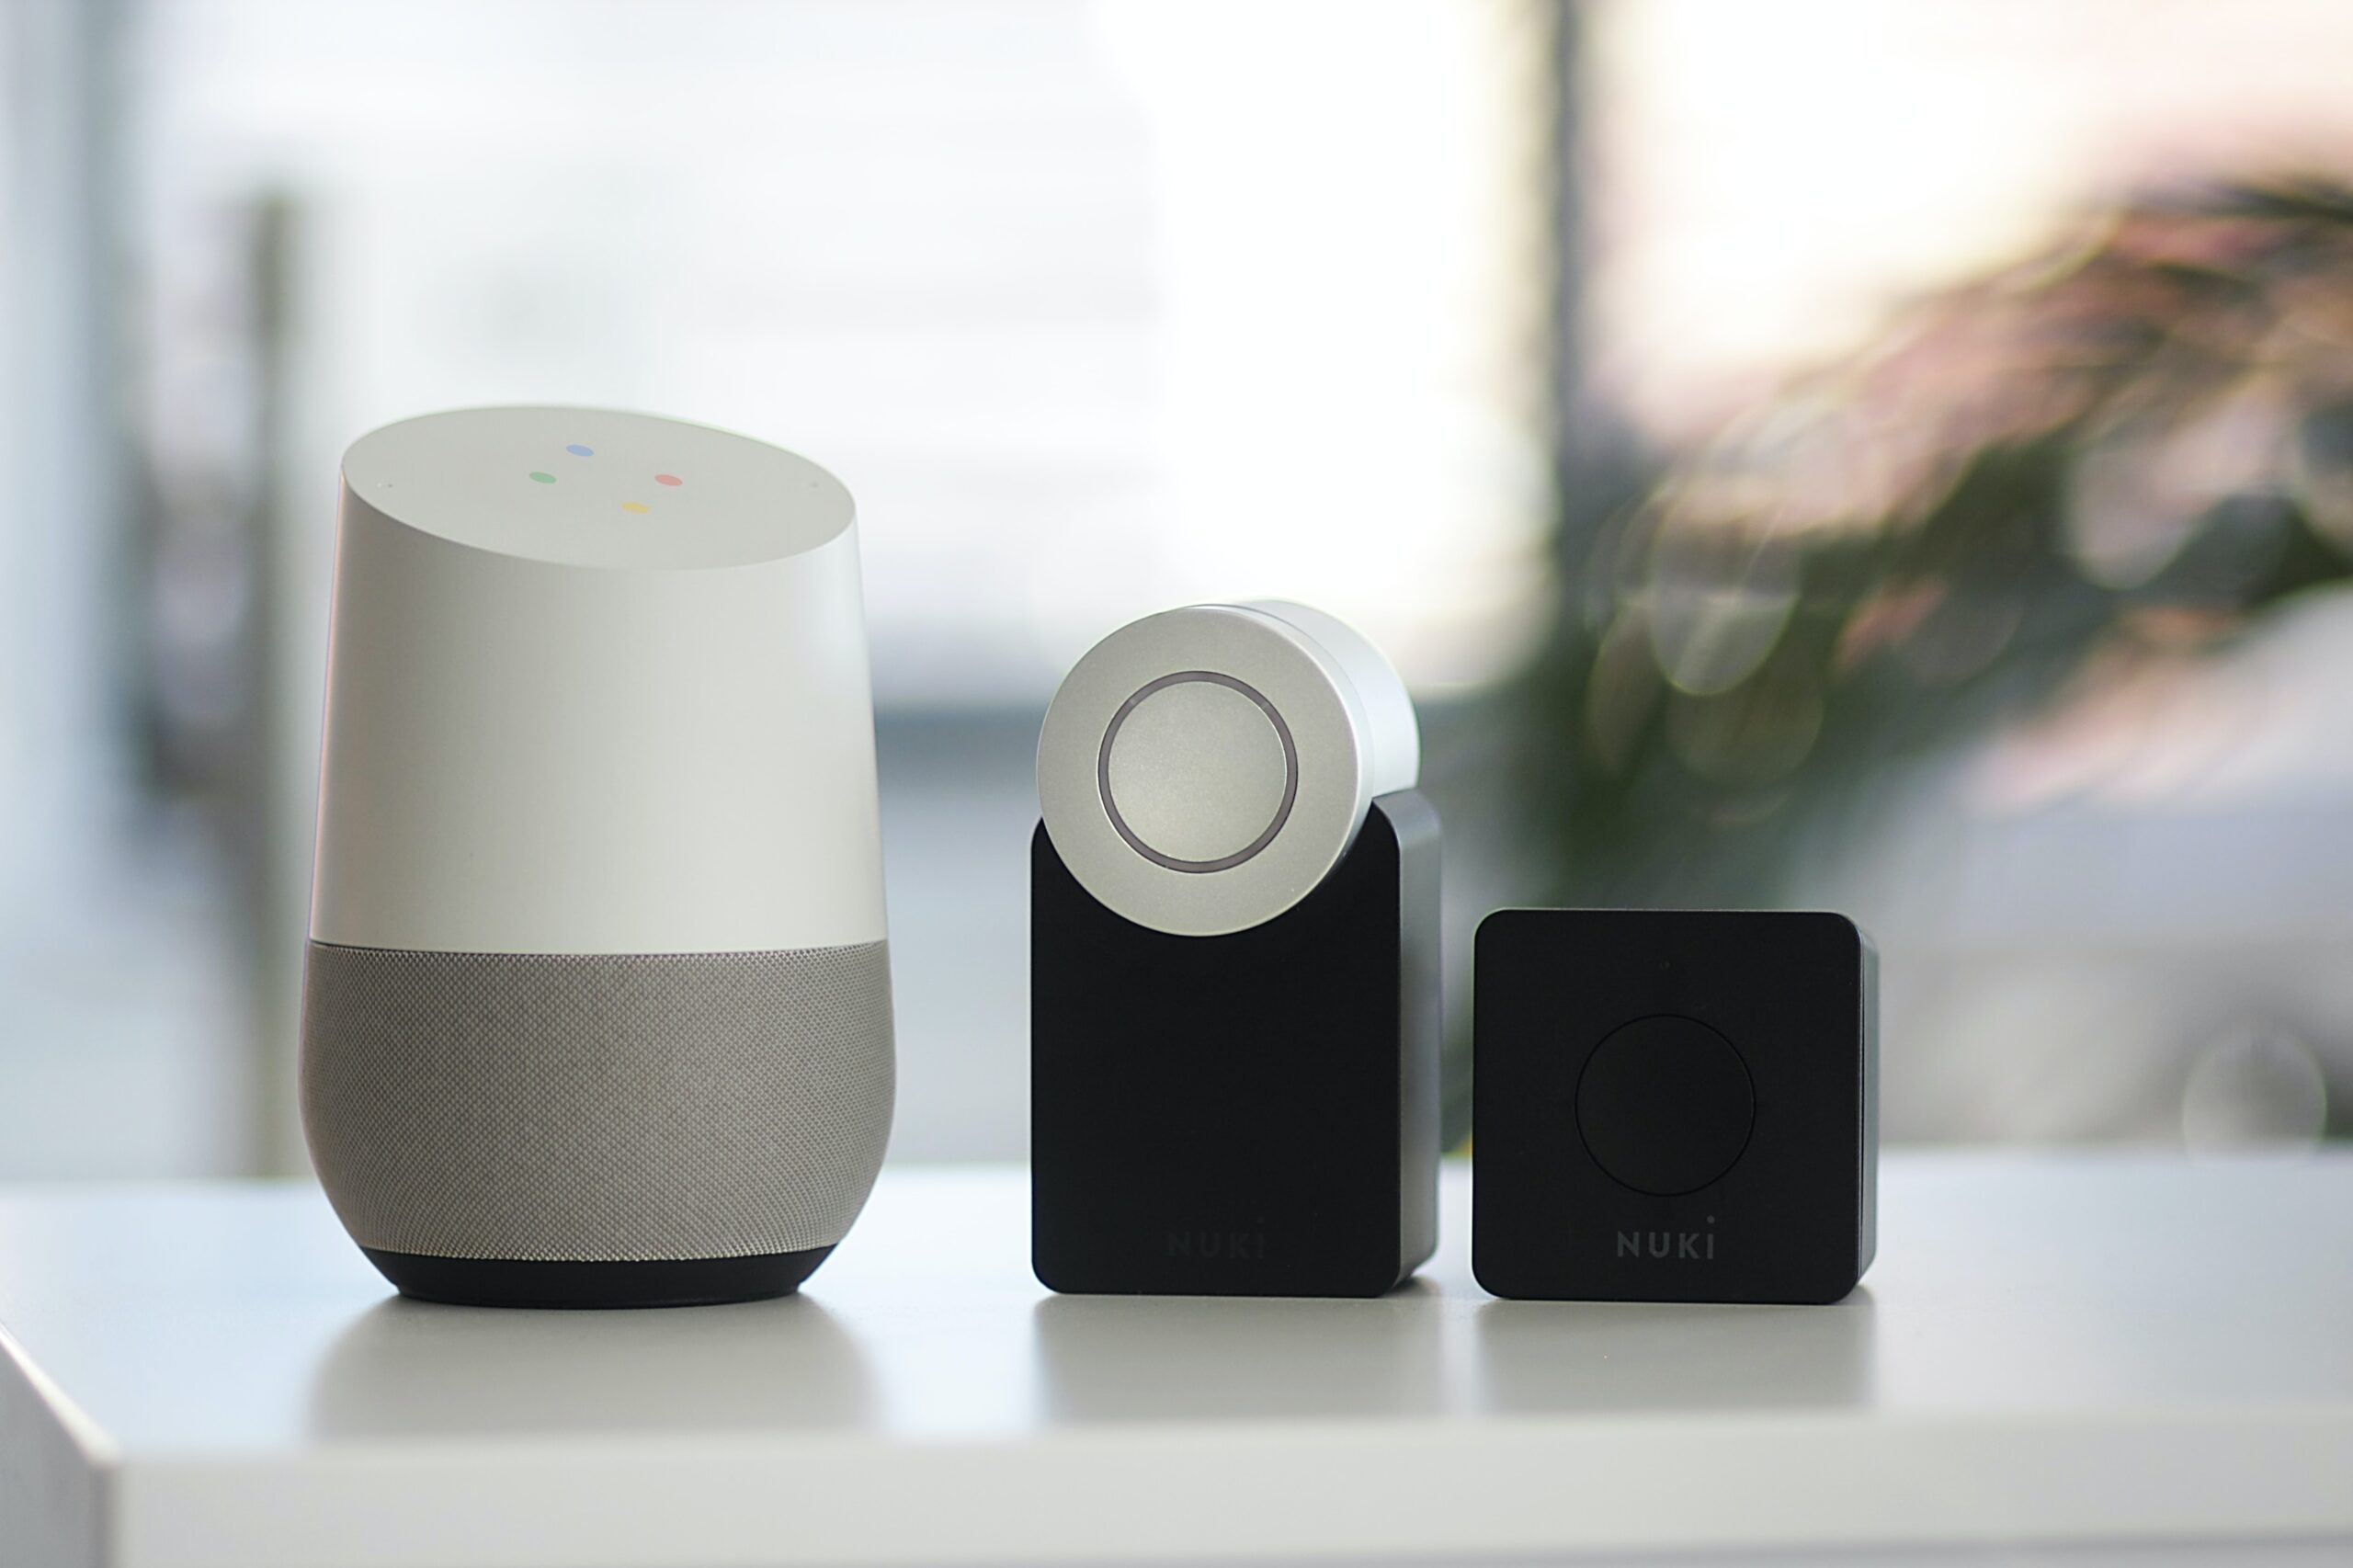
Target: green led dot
(543, 478)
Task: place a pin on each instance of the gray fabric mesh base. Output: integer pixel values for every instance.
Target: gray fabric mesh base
(597, 1107)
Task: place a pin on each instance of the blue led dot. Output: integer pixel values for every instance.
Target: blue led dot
(577, 451)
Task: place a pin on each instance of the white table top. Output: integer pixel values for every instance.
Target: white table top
(2049, 1351)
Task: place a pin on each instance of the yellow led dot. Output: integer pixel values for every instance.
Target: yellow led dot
(632, 506)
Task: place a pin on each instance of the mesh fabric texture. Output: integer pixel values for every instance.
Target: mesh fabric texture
(597, 1107)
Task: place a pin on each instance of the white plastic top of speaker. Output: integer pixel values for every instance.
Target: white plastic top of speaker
(591, 487)
(597, 683)
(1202, 770)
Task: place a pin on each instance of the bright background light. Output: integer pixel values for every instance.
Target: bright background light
(1097, 309)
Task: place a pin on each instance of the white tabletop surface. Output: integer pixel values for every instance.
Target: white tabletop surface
(2116, 1351)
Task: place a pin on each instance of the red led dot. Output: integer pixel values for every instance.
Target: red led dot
(667, 479)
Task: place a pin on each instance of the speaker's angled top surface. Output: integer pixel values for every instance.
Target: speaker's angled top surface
(1201, 770)
(597, 487)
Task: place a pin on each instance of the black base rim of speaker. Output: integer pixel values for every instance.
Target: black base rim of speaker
(666, 1282)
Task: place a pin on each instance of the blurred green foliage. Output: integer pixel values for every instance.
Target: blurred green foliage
(2129, 446)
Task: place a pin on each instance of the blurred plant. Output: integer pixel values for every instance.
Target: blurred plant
(2122, 450)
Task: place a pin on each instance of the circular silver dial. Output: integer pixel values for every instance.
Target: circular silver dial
(1201, 770)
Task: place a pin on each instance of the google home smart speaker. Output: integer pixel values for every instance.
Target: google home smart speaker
(1234, 964)
(598, 1004)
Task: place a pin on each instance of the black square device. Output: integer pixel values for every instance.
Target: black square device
(1673, 1106)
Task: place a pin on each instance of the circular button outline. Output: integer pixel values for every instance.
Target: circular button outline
(1747, 1077)
(1111, 806)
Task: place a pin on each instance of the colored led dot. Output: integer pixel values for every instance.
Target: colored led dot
(632, 506)
(667, 479)
(543, 478)
(577, 451)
